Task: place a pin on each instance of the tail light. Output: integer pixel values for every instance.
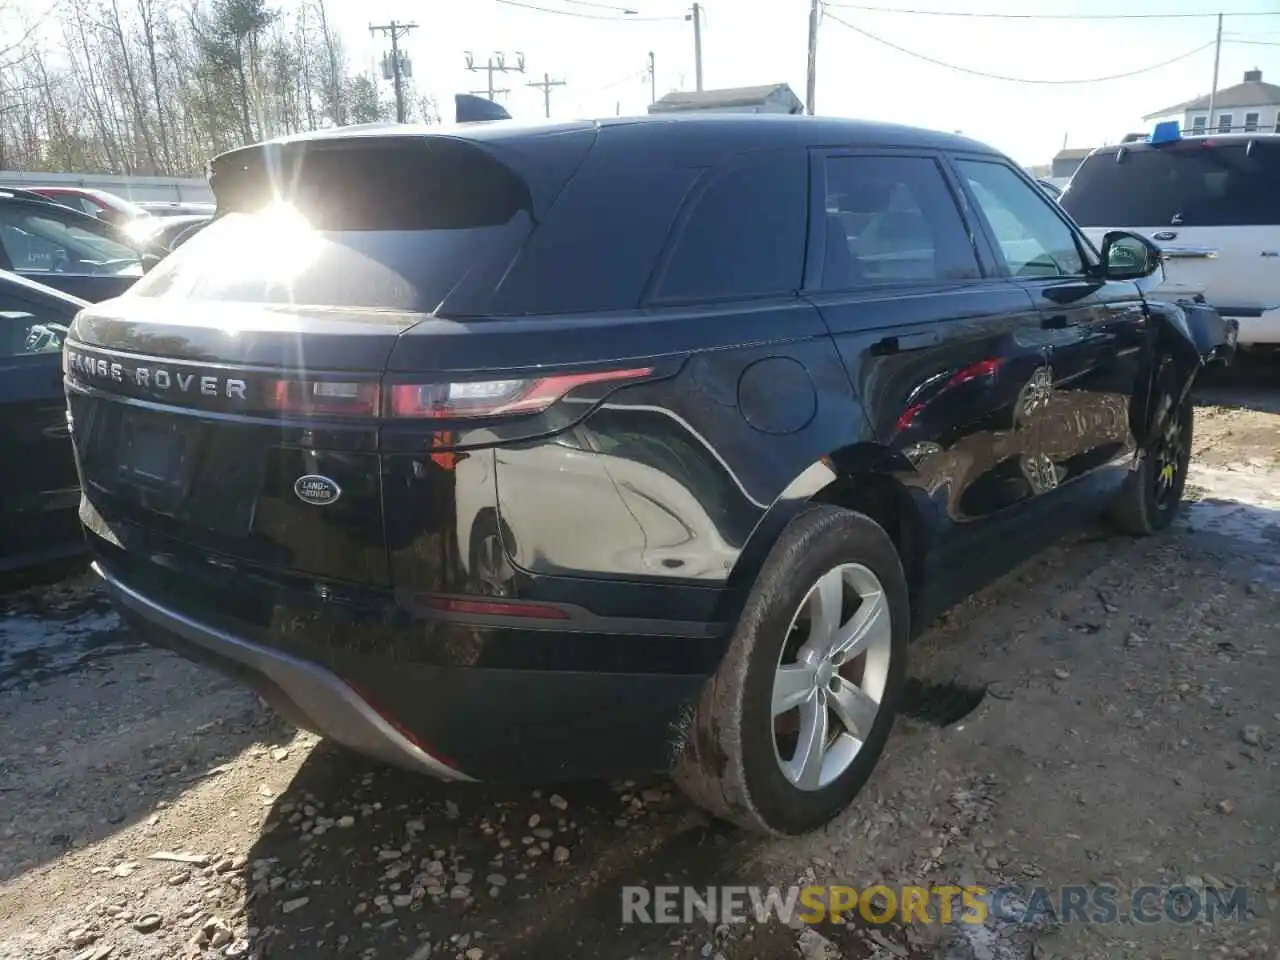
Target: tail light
(459, 400)
(341, 397)
(493, 398)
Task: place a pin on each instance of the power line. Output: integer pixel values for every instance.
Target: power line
(995, 76)
(1254, 43)
(621, 18)
(1049, 16)
(598, 6)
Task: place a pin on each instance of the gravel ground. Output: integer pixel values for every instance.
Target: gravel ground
(151, 809)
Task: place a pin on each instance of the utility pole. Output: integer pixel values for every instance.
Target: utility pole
(395, 30)
(497, 63)
(546, 83)
(1213, 91)
(653, 80)
(697, 44)
(812, 86)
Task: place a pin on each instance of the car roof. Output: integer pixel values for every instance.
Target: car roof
(716, 131)
(1206, 139)
(21, 284)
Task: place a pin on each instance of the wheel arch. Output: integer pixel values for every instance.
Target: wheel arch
(867, 477)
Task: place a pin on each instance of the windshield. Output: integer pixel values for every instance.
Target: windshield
(1193, 183)
(368, 226)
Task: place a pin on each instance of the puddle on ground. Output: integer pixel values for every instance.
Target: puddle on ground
(37, 643)
(1241, 506)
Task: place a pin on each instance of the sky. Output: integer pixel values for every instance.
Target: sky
(747, 42)
(602, 56)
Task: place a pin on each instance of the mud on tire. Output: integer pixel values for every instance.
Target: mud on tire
(731, 764)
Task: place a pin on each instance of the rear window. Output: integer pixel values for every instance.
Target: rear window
(355, 224)
(1191, 183)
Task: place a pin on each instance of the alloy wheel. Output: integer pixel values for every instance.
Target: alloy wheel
(1171, 455)
(831, 676)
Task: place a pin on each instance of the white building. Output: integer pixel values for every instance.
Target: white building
(1244, 108)
(773, 98)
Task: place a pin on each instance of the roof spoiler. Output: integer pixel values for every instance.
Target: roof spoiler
(468, 108)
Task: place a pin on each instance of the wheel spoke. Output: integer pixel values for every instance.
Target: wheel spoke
(792, 685)
(867, 626)
(854, 708)
(825, 603)
(805, 767)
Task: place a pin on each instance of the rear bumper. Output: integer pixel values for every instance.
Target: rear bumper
(307, 695)
(449, 721)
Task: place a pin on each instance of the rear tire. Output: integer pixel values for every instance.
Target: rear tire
(1152, 493)
(825, 628)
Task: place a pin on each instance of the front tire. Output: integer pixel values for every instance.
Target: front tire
(791, 725)
(1151, 495)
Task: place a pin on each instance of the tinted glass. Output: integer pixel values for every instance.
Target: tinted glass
(892, 220)
(382, 227)
(27, 329)
(745, 234)
(37, 240)
(1033, 239)
(1190, 183)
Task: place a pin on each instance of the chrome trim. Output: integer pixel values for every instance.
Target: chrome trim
(1188, 253)
(321, 695)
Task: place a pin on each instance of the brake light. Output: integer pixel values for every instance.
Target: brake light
(491, 398)
(350, 398)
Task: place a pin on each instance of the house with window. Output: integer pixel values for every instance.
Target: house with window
(1244, 108)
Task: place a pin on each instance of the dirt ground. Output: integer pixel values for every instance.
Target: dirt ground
(151, 809)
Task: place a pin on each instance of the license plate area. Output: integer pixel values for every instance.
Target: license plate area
(174, 471)
(154, 461)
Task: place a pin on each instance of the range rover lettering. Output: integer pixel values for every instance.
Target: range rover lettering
(588, 449)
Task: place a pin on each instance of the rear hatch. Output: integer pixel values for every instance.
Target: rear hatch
(1210, 203)
(231, 401)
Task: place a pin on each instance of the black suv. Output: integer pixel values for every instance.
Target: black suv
(579, 450)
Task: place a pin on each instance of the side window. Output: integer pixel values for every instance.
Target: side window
(1034, 240)
(892, 220)
(27, 328)
(42, 242)
(745, 235)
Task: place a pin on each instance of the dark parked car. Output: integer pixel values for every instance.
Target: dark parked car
(39, 492)
(166, 233)
(65, 248)
(576, 450)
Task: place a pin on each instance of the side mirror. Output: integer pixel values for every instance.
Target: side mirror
(1129, 256)
(149, 261)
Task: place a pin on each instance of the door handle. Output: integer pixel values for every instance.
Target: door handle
(1188, 253)
(902, 342)
(1058, 321)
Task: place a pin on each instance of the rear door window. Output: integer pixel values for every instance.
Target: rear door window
(1191, 183)
(364, 226)
(744, 234)
(892, 220)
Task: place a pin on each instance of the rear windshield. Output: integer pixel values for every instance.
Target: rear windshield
(1192, 183)
(354, 224)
